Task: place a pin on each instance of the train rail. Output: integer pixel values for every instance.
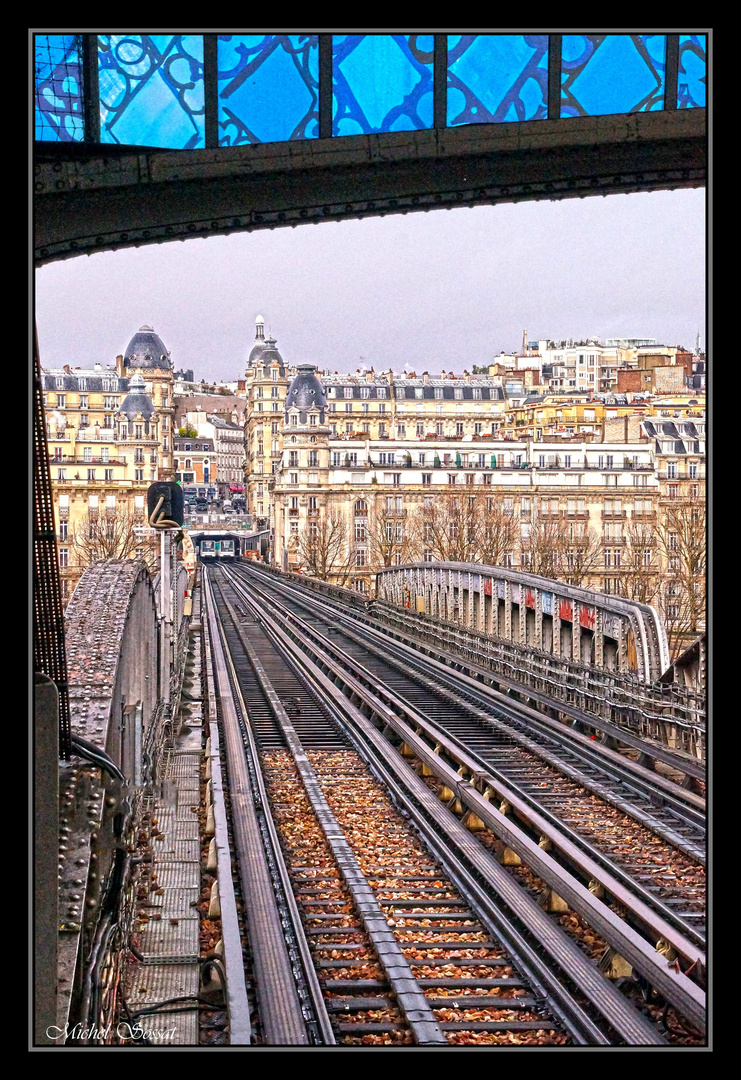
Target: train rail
(614, 852)
(670, 810)
(562, 997)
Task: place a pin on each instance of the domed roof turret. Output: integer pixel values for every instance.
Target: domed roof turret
(146, 350)
(137, 402)
(306, 391)
(270, 353)
(259, 346)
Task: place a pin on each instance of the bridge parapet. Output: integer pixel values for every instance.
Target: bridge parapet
(111, 640)
(590, 628)
(620, 706)
(111, 644)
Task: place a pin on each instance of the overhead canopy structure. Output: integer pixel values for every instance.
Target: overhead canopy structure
(142, 138)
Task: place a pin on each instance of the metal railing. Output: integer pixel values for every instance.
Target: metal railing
(668, 714)
(676, 718)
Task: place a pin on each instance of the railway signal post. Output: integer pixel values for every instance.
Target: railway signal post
(165, 511)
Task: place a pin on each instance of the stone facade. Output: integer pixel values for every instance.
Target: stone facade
(103, 459)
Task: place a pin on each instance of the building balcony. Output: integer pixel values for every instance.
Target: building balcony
(613, 541)
(575, 513)
(613, 515)
(72, 459)
(618, 467)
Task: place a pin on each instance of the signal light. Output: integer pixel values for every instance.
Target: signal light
(165, 505)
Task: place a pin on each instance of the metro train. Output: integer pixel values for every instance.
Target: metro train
(216, 550)
(226, 551)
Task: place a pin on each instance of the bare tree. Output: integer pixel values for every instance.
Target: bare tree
(113, 533)
(580, 551)
(446, 526)
(681, 538)
(639, 568)
(496, 527)
(543, 546)
(323, 546)
(391, 533)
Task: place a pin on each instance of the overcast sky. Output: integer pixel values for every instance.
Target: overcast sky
(444, 289)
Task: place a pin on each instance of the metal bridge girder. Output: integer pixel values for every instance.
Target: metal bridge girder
(91, 198)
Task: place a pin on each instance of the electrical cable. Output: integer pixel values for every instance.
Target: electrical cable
(87, 750)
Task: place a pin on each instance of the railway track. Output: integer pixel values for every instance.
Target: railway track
(611, 867)
(594, 802)
(390, 889)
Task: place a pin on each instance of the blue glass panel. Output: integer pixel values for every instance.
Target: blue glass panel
(494, 78)
(151, 90)
(58, 88)
(612, 73)
(692, 71)
(381, 82)
(268, 87)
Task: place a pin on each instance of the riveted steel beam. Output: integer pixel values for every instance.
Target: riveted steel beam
(89, 198)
